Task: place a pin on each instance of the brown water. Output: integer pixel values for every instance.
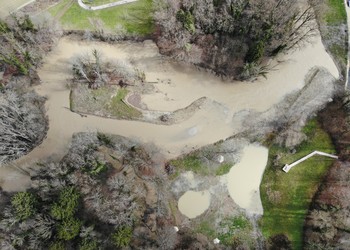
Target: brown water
(244, 178)
(178, 87)
(193, 204)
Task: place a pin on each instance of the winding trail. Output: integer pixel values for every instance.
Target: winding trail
(179, 85)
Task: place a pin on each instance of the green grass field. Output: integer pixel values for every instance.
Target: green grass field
(333, 17)
(135, 17)
(335, 14)
(286, 197)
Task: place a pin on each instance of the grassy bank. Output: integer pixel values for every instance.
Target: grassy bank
(335, 13)
(134, 17)
(331, 17)
(286, 196)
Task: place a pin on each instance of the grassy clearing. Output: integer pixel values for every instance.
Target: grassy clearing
(119, 109)
(191, 162)
(135, 17)
(56, 9)
(335, 13)
(232, 231)
(236, 230)
(101, 102)
(331, 16)
(286, 196)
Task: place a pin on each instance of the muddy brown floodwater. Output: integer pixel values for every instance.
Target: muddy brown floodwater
(177, 87)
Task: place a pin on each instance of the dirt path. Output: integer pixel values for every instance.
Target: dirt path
(66, 7)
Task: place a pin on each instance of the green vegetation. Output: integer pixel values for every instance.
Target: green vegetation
(69, 229)
(340, 52)
(135, 17)
(103, 138)
(24, 205)
(118, 107)
(67, 204)
(236, 229)
(224, 168)
(88, 245)
(190, 163)
(335, 13)
(58, 245)
(187, 19)
(95, 168)
(286, 197)
(122, 236)
(331, 16)
(99, 101)
(206, 227)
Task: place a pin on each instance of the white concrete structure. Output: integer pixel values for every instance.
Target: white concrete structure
(287, 167)
(104, 6)
(221, 158)
(216, 241)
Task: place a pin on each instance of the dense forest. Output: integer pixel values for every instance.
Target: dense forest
(106, 193)
(232, 37)
(22, 116)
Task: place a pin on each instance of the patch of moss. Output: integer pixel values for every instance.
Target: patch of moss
(224, 168)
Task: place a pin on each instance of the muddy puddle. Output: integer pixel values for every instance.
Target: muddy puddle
(193, 204)
(244, 178)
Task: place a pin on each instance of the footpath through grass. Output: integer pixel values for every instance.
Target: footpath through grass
(135, 17)
(286, 197)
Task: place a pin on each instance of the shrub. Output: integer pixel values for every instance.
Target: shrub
(58, 245)
(122, 237)
(69, 229)
(24, 205)
(187, 19)
(88, 245)
(67, 204)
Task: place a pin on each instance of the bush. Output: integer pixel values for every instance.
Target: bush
(122, 237)
(67, 204)
(58, 245)
(279, 242)
(69, 229)
(24, 205)
(88, 245)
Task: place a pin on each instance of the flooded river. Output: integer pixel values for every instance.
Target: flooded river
(177, 87)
